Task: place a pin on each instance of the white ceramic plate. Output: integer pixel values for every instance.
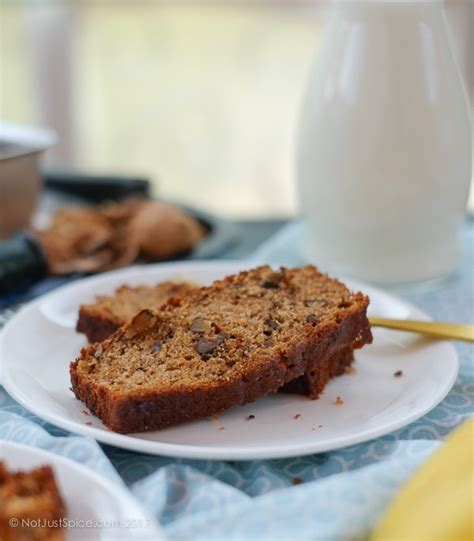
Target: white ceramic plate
(37, 345)
(96, 509)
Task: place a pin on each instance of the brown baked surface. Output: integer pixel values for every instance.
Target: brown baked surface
(230, 343)
(100, 319)
(34, 496)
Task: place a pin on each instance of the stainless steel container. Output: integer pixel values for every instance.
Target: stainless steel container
(21, 148)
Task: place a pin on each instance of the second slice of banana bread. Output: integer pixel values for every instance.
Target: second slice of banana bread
(99, 319)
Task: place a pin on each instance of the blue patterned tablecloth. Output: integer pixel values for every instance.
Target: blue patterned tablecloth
(328, 496)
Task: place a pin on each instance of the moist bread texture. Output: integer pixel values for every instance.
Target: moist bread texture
(239, 339)
(102, 318)
(31, 495)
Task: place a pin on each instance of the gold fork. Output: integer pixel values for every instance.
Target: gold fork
(436, 329)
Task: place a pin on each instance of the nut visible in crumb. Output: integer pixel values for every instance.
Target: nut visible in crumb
(98, 352)
(206, 347)
(272, 281)
(200, 325)
(339, 401)
(143, 321)
(271, 323)
(91, 364)
(398, 374)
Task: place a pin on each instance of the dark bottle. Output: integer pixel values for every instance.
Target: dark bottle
(22, 262)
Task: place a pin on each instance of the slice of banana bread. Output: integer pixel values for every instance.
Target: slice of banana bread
(100, 319)
(31, 507)
(230, 343)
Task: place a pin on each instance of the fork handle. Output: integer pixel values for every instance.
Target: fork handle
(455, 331)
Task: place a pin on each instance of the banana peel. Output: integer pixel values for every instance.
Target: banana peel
(437, 503)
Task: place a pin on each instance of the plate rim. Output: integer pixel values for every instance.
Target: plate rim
(129, 442)
(51, 458)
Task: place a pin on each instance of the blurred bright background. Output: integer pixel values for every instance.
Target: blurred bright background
(201, 97)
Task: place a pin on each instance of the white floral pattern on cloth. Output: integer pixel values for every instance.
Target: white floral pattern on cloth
(339, 495)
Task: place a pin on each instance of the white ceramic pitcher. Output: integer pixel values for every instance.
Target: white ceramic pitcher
(384, 150)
